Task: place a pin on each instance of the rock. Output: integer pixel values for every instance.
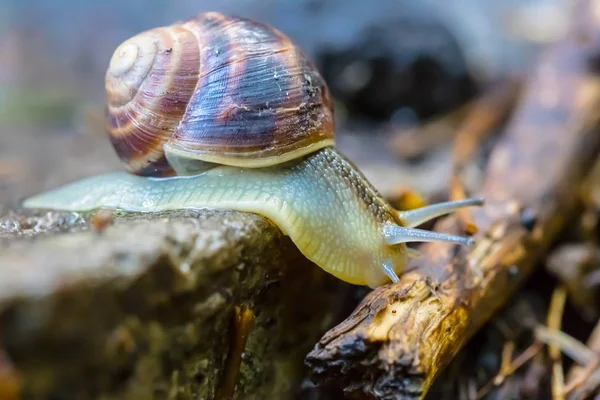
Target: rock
(167, 305)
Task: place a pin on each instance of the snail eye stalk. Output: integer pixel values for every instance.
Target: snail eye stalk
(418, 216)
(395, 234)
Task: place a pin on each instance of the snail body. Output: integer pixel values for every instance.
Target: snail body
(261, 143)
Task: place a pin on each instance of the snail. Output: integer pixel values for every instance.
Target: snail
(222, 112)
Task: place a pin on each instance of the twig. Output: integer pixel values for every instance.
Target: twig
(242, 324)
(570, 346)
(585, 383)
(580, 381)
(554, 321)
(507, 354)
(511, 368)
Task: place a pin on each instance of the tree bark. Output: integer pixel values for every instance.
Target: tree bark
(401, 336)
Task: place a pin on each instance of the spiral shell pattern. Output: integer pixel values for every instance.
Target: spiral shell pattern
(214, 88)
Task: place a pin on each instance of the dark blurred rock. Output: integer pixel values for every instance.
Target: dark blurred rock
(398, 64)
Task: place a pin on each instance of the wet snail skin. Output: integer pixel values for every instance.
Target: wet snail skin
(225, 113)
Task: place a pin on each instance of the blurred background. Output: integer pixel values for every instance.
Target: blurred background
(404, 75)
(391, 65)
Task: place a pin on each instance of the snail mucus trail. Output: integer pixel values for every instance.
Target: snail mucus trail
(226, 113)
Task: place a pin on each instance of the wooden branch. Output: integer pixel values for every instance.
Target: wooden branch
(401, 336)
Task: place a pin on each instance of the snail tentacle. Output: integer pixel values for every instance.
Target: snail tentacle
(395, 234)
(388, 269)
(416, 217)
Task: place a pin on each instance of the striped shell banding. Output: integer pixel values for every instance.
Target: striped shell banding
(218, 89)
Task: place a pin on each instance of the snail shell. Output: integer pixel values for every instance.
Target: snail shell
(217, 89)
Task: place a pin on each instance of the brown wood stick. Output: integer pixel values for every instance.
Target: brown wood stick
(566, 343)
(401, 336)
(554, 321)
(242, 323)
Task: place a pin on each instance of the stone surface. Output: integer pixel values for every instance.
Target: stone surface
(144, 307)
